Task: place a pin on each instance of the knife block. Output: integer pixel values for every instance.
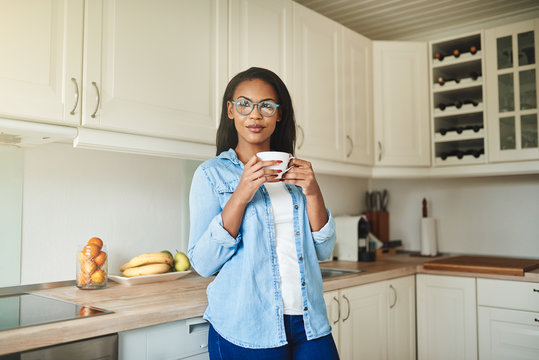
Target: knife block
(379, 221)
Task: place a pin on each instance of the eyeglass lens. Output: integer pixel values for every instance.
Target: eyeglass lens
(245, 107)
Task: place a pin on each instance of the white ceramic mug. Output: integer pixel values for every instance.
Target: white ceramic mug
(276, 155)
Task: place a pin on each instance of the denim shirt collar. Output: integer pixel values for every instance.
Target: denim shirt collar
(231, 155)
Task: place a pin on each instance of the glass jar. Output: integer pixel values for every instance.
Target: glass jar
(92, 267)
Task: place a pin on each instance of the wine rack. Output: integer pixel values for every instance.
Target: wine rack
(457, 93)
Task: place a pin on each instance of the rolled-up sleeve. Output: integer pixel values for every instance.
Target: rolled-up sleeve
(325, 238)
(210, 244)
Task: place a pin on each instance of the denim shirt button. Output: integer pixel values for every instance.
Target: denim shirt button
(297, 232)
(305, 308)
(296, 207)
(303, 283)
(301, 258)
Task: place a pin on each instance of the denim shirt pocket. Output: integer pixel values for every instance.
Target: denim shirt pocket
(225, 191)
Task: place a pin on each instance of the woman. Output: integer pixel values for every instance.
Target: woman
(262, 236)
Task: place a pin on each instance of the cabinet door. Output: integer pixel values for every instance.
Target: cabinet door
(333, 308)
(357, 97)
(511, 66)
(364, 322)
(40, 60)
(507, 334)
(155, 67)
(261, 35)
(401, 319)
(316, 92)
(401, 110)
(446, 317)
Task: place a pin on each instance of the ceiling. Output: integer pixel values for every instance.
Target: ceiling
(422, 19)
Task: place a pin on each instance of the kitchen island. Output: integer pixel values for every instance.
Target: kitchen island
(145, 305)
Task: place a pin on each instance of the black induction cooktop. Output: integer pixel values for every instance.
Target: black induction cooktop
(26, 309)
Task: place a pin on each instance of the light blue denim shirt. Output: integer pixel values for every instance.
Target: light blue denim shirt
(244, 300)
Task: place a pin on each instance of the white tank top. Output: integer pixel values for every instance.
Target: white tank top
(287, 258)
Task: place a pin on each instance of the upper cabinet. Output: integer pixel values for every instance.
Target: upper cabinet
(401, 112)
(316, 86)
(155, 67)
(261, 36)
(512, 83)
(40, 60)
(357, 98)
(332, 89)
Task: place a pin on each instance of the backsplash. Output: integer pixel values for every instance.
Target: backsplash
(139, 204)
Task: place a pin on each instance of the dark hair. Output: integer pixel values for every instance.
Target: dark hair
(284, 136)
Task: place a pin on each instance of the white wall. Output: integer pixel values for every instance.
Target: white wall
(487, 216)
(134, 203)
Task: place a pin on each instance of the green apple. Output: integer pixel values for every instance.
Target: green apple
(167, 252)
(181, 262)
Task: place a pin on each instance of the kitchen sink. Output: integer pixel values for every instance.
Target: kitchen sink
(333, 272)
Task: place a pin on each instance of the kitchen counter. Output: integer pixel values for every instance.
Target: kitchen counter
(144, 305)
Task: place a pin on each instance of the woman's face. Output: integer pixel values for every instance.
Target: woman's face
(254, 129)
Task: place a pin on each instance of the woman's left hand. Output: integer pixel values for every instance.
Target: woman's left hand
(302, 174)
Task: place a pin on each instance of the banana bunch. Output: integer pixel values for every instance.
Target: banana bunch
(147, 264)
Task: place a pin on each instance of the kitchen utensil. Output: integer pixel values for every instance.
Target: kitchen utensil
(384, 198)
(376, 198)
(368, 202)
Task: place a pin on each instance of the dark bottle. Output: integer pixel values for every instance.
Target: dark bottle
(474, 75)
(458, 104)
(473, 49)
(441, 80)
(438, 55)
(473, 102)
(456, 53)
(441, 106)
(443, 131)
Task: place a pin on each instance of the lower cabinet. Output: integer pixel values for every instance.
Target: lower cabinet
(184, 339)
(374, 321)
(446, 317)
(508, 319)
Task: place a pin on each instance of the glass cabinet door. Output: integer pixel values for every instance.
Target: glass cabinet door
(512, 100)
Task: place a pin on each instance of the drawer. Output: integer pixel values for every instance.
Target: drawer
(184, 339)
(517, 295)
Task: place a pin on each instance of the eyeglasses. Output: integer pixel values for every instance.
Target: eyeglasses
(245, 107)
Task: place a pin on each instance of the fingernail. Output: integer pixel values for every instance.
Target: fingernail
(279, 161)
(279, 171)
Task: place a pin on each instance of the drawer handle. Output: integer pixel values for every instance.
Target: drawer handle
(338, 310)
(348, 313)
(98, 99)
(72, 112)
(394, 292)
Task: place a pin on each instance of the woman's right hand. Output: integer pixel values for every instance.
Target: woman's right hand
(255, 175)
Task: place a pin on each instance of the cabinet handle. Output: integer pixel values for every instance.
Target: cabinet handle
(72, 112)
(98, 98)
(379, 151)
(535, 290)
(394, 292)
(338, 310)
(536, 320)
(351, 145)
(302, 137)
(348, 313)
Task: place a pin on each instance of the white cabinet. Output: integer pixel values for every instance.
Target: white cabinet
(512, 83)
(316, 86)
(446, 317)
(508, 319)
(357, 98)
(374, 321)
(401, 115)
(40, 60)
(261, 36)
(155, 67)
(184, 339)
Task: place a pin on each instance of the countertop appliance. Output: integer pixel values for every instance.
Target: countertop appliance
(26, 309)
(347, 227)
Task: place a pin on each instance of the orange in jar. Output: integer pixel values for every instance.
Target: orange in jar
(88, 266)
(91, 251)
(100, 258)
(96, 241)
(98, 277)
(83, 279)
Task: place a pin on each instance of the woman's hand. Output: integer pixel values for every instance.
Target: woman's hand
(253, 176)
(302, 174)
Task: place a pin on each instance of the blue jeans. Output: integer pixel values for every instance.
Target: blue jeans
(298, 347)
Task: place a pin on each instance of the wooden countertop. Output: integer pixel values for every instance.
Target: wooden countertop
(144, 305)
